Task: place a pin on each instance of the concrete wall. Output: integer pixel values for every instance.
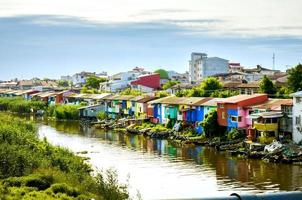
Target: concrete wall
(297, 114)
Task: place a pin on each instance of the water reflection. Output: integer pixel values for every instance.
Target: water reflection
(174, 172)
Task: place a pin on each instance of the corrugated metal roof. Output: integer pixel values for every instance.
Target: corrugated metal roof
(192, 101)
(146, 99)
(212, 102)
(241, 97)
(101, 96)
(120, 97)
(272, 104)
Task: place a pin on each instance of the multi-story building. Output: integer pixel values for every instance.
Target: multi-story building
(201, 66)
(296, 116)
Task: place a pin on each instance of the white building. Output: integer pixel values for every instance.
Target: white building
(122, 80)
(201, 66)
(297, 113)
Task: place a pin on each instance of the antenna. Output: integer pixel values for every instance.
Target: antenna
(273, 61)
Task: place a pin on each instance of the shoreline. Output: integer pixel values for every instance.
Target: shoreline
(240, 148)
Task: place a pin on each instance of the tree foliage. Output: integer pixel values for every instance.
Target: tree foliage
(294, 80)
(93, 82)
(20, 105)
(169, 84)
(162, 73)
(210, 125)
(210, 85)
(130, 91)
(161, 94)
(34, 169)
(267, 86)
(63, 83)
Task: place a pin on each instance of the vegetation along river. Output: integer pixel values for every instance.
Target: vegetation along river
(159, 170)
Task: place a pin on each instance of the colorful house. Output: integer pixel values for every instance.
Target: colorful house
(119, 106)
(173, 108)
(268, 120)
(141, 106)
(233, 111)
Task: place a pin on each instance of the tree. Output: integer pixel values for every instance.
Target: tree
(130, 91)
(63, 83)
(267, 86)
(93, 82)
(294, 80)
(210, 125)
(169, 84)
(162, 73)
(224, 93)
(161, 94)
(209, 85)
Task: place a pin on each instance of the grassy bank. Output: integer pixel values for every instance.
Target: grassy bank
(34, 169)
(20, 105)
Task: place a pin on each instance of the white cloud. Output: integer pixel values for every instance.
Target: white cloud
(230, 17)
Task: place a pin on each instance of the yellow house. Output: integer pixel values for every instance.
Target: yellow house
(266, 125)
(140, 106)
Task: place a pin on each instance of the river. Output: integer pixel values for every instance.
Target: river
(159, 170)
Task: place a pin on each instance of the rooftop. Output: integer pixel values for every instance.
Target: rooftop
(241, 97)
(273, 104)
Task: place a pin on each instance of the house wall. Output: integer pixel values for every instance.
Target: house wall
(208, 109)
(297, 121)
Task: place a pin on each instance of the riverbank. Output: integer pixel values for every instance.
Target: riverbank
(35, 169)
(233, 143)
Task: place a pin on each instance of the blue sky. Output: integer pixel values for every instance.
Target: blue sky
(48, 40)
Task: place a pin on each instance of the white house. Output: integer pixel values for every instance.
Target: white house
(122, 80)
(201, 66)
(297, 113)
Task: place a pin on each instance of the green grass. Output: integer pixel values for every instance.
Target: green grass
(34, 169)
(20, 105)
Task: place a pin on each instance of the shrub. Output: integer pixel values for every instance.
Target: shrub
(65, 189)
(102, 115)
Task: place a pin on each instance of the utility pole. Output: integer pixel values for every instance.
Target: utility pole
(273, 61)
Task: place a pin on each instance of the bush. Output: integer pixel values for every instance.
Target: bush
(34, 169)
(20, 105)
(65, 189)
(68, 112)
(234, 134)
(102, 115)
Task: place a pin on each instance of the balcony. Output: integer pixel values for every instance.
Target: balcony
(266, 126)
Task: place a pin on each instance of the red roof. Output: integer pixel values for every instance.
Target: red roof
(242, 97)
(151, 81)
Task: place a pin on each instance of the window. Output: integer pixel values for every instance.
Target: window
(223, 115)
(298, 120)
(298, 100)
(221, 106)
(233, 118)
(239, 119)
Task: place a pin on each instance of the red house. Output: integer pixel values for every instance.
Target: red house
(233, 111)
(147, 83)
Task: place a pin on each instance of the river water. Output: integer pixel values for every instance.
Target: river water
(159, 170)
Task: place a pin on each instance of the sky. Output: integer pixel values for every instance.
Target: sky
(40, 38)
